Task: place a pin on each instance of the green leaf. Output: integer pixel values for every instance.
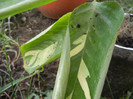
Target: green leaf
(129, 94)
(63, 71)
(48, 94)
(93, 28)
(46, 46)
(12, 7)
(33, 95)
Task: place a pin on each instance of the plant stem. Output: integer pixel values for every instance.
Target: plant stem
(29, 87)
(110, 88)
(7, 60)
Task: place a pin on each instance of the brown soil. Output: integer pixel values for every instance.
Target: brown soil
(120, 77)
(125, 41)
(125, 37)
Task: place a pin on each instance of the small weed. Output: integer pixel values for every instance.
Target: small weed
(128, 95)
(6, 27)
(5, 52)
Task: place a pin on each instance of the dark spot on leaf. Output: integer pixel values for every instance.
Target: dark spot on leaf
(84, 33)
(74, 12)
(93, 25)
(97, 14)
(78, 25)
(90, 18)
(72, 26)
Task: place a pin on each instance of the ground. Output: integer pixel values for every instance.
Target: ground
(24, 26)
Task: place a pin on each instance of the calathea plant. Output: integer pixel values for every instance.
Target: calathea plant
(84, 39)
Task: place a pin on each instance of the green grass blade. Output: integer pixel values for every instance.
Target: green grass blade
(12, 7)
(16, 82)
(110, 89)
(12, 79)
(13, 83)
(7, 61)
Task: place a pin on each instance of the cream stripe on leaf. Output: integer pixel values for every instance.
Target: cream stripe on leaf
(82, 75)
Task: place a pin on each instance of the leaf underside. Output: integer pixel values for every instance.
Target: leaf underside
(46, 46)
(63, 70)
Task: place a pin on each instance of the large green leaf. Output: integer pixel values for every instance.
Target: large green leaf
(95, 27)
(12, 7)
(46, 46)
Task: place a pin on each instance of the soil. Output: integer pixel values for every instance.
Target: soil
(125, 37)
(119, 77)
(27, 25)
(125, 41)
